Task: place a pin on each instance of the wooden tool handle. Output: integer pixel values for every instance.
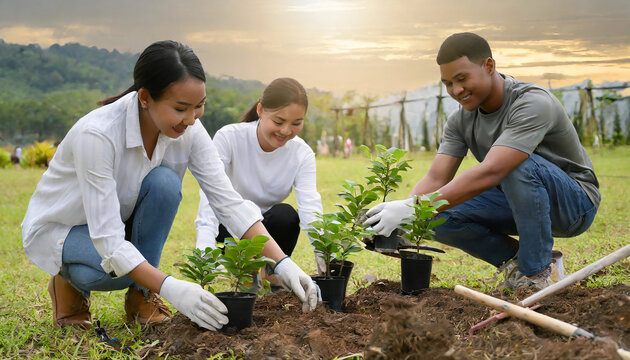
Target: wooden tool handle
(533, 317)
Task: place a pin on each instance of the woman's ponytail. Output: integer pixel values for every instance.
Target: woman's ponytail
(251, 114)
(111, 99)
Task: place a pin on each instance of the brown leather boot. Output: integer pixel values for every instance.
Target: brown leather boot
(145, 311)
(70, 307)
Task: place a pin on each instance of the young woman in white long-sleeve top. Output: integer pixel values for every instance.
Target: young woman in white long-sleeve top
(100, 215)
(265, 160)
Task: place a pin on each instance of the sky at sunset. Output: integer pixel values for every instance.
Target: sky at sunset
(374, 47)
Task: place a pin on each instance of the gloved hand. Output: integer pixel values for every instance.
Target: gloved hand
(389, 215)
(199, 305)
(296, 279)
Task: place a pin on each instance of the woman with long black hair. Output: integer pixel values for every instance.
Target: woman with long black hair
(100, 215)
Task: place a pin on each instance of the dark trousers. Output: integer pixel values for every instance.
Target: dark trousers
(283, 224)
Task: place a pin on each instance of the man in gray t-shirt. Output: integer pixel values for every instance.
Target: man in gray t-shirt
(534, 179)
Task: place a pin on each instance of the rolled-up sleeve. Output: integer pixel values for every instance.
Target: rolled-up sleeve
(231, 210)
(94, 156)
(308, 199)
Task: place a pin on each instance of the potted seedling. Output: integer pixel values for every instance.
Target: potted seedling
(240, 259)
(326, 236)
(357, 198)
(415, 267)
(386, 168)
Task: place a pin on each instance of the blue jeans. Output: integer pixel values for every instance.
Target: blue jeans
(147, 229)
(536, 201)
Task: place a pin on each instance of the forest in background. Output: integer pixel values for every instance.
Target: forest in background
(43, 92)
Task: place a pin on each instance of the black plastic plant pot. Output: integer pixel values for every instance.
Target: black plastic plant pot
(240, 307)
(415, 272)
(387, 243)
(336, 269)
(341, 268)
(333, 289)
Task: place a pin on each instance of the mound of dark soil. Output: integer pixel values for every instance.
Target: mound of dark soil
(380, 323)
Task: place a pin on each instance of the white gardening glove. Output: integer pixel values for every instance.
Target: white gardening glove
(296, 279)
(199, 305)
(206, 243)
(388, 215)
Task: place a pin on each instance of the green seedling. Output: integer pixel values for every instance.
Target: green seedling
(357, 198)
(339, 235)
(241, 259)
(326, 236)
(419, 226)
(202, 266)
(386, 169)
(351, 216)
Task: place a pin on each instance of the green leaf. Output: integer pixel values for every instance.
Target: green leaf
(398, 153)
(436, 222)
(380, 148)
(366, 151)
(438, 204)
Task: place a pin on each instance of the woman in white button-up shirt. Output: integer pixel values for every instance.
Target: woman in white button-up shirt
(102, 211)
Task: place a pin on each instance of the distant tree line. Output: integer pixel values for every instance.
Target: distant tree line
(43, 92)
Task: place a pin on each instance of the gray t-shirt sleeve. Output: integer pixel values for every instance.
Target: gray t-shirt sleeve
(453, 142)
(529, 119)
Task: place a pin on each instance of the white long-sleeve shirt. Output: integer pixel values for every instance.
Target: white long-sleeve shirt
(95, 177)
(265, 178)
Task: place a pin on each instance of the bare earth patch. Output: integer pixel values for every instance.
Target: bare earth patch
(381, 323)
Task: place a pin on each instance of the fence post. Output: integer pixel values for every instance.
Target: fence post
(592, 121)
(334, 149)
(402, 123)
(438, 120)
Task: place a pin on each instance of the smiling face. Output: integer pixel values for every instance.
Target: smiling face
(181, 103)
(469, 83)
(278, 126)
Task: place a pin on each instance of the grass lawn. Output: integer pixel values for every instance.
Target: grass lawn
(26, 329)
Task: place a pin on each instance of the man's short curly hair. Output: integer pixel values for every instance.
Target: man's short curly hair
(466, 44)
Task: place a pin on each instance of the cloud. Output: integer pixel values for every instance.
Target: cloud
(616, 61)
(222, 37)
(46, 36)
(325, 6)
(436, 29)
(371, 46)
(553, 76)
(560, 48)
